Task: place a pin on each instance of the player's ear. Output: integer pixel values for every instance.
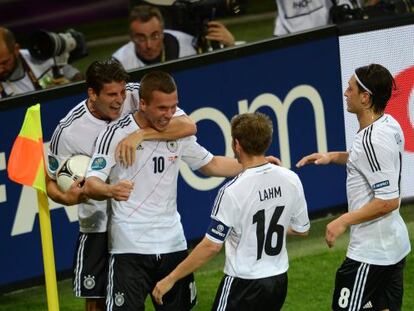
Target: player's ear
(142, 104)
(236, 144)
(92, 94)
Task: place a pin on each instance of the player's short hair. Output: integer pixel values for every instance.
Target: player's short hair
(156, 81)
(103, 72)
(143, 13)
(253, 131)
(8, 38)
(379, 81)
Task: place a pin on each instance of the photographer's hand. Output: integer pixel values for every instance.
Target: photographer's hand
(218, 32)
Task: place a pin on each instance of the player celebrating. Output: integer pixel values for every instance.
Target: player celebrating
(252, 213)
(371, 276)
(109, 97)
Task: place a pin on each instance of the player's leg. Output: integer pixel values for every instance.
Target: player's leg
(129, 281)
(95, 304)
(183, 295)
(90, 271)
(258, 294)
(390, 295)
(358, 286)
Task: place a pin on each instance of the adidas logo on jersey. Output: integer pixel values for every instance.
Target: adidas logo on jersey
(368, 305)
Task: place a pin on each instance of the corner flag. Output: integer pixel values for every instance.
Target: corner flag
(26, 163)
(26, 166)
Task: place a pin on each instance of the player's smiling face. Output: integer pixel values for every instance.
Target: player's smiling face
(160, 109)
(107, 105)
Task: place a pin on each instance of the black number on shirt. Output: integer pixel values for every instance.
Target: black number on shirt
(159, 164)
(264, 239)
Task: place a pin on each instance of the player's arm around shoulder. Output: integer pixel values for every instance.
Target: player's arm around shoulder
(180, 126)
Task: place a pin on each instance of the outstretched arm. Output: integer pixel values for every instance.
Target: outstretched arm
(337, 157)
(203, 252)
(179, 127)
(221, 166)
(97, 189)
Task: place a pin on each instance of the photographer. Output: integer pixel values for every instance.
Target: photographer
(295, 16)
(20, 72)
(151, 43)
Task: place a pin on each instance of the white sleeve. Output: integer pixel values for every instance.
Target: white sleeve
(380, 164)
(195, 155)
(58, 152)
(179, 112)
(300, 219)
(223, 216)
(103, 158)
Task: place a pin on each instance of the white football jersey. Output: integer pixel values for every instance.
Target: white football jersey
(374, 171)
(252, 213)
(148, 223)
(76, 134)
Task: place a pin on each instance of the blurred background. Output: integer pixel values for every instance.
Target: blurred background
(105, 23)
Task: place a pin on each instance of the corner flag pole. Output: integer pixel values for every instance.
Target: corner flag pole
(26, 166)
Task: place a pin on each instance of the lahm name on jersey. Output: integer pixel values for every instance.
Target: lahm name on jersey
(270, 193)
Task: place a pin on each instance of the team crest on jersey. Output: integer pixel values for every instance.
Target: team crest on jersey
(119, 299)
(398, 138)
(172, 145)
(89, 282)
(98, 163)
(381, 184)
(53, 163)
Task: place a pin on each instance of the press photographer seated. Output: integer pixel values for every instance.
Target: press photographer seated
(21, 73)
(151, 43)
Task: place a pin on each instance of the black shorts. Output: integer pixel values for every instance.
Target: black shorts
(361, 286)
(258, 294)
(90, 266)
(133, 276)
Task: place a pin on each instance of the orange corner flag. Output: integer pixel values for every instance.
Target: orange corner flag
(26, 163)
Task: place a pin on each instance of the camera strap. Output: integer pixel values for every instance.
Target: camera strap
(31, 74)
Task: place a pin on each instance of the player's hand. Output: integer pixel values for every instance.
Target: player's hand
(75, 194)
(218, 32)
(161, 288)
(122, 190)
(126, 148)
(333, 230)
(273, 160)
(315, 158)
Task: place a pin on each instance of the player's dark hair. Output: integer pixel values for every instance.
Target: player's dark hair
(253, 131)
(156, 81)
(8, 37)
(105, 71)
(143, 13)
(379, 81)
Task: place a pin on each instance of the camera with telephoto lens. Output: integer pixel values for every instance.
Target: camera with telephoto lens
(192, 16)
(63, 47)
(345, 13)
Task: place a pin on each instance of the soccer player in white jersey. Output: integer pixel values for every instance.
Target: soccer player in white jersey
(109, 97)
(371, 276)
(252, 214)
(147, 239)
